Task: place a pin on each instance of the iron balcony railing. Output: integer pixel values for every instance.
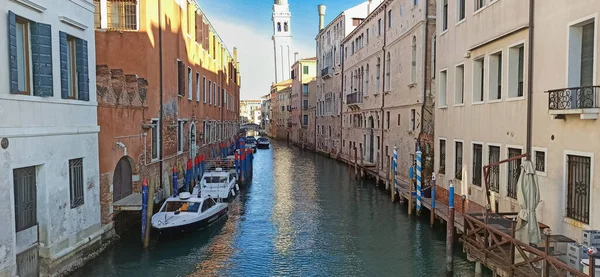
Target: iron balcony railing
(354, 98)
(327, 72)
(573, 98)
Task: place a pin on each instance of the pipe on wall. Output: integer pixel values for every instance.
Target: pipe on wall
(530, 81)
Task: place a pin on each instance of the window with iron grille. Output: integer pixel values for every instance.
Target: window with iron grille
(122, 14)
(458, 146)
(578, 188)
(540, 161)
(76, 182)
(494, 173)
(442, 156)
(477, 164)
(514, 170)
(25, 198)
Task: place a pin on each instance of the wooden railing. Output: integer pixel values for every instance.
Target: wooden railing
(490, 238)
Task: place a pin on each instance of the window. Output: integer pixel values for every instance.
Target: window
(378, 74)
(399, 119)
(155, 139)
(305, 69)
(305, 104)
(278, 26)
(197, 87)
(495, 90)
(25, 198)
(443, 88)
(461, 9)
(285, 26)
(390, 19)
(514, 171)
(479, 4)
(387, 116)
(459, 85)
(578, 187)
(305, 120)
(442, 169)
(581, 54)
(367, 35)
(180, 136)
(180, 78)
(494, 173)
(23, 56)
(71, 68)
(379, 27)
(444, 15)
(478, 80)
(305, 89)
(210, 92)
(214, 93)
(190, 84)
(388, 77)
(540, 161)
(97, 14)
(515, 70)
(76, 182)
(122, 15)
(204, 88)
(458, 157)
(356, 21)
(477, 164)
(217, 95)
(412, 119)
(415, 2)
(413, 71)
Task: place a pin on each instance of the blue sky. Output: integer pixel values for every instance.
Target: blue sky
(246, 24)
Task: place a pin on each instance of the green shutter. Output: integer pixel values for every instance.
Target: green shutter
(12, 53)
(81, 63)
(64, 74)
(41, 59)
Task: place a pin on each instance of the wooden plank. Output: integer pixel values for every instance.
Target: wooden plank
(132, 202)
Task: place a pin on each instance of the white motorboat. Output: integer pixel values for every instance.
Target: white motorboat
(187, 213)
(262, 143)
(219, 184)
(251, 143)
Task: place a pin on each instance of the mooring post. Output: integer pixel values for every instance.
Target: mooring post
(592, 261)
(419, 153)
(433, 188)
(450, 232)
(144, 207)
(355, 163)
(237, 167)
(149, 212)
(410, 189)
(175, 182)
(395, 171)
(362, 165)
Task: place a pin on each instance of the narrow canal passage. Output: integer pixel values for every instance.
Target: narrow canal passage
(303, 215)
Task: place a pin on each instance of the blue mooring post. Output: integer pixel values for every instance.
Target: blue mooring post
(432, 214)
(419, 181)
(144, 206)
(450, 232)
(242, 171)
(175, 185)
(395, 165)
(237, 167)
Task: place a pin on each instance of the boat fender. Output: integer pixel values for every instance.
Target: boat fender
(233, 193)
(237, 187)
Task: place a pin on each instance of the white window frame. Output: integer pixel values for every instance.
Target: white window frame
(180, 135)
(479, 59)
(456, 83)
(534, 159)
(509, 77)
(439, 151)
(443, 88)
(505, 181)
(190, 82)
(453, 172)
(489, 76)
(594, 18)
(197, 86)
(501, 174)
(471, 169)
(204, 88)
(156, 123)
(564, 188)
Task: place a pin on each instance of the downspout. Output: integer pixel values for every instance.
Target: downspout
(342, 60)
(383, 82)
(160, 109)
(425, 72)
(530, 81)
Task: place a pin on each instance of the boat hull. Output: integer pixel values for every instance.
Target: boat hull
(263, 146)
(174, 231)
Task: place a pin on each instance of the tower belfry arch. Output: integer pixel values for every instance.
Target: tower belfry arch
(282, 39)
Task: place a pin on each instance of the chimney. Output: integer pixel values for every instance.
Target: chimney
(369, 7)
(296, 57)
(235, 54)
(321, 17)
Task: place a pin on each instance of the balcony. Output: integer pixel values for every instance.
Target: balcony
(354, 98)
(577, 100)
(327, 72)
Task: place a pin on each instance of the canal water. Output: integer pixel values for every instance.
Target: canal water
(303, 215)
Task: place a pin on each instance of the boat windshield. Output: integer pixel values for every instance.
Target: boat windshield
(215, 179)
(182, 206)
(262, 140)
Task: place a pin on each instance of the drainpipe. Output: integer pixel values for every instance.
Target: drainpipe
(342, 95)
(530, 80)
(160, 107)
(383, 81)
(425, 72)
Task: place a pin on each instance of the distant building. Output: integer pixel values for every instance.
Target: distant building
(248, 109)
(303, 86)
(281, 108)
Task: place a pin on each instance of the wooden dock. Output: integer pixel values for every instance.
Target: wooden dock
(132, 202)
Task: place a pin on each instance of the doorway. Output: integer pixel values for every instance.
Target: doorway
(122, 180)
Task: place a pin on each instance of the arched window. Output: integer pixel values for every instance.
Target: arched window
(278, 26)
(388, 65)
(413, 70)
(367, 81)
(285, 27)
(378, 74)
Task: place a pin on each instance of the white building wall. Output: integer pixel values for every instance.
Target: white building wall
(46, 132)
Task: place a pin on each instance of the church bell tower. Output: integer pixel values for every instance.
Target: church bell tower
(282, 39)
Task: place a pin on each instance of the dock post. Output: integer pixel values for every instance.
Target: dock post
(355, 164)
(450, 232)
(362, 159)
(395, 170)
(144, 207)
(242, 177)
(419, 153)
(149, 212)
(433, 188)
(237, 167)
(175, 182)
(477, 269)
(592, 261)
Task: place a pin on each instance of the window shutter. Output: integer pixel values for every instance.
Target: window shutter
(180, 78)
(64, 79)
(41, 59)
(587, 55)
(12, 52)
(81, 60)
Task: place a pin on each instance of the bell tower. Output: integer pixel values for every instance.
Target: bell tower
(282, 39)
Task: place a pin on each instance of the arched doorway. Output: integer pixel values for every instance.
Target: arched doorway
(122, 179)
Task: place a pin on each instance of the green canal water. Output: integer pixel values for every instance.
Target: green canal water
(303, 215)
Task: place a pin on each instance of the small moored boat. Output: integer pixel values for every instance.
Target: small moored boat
(186, 213)
(262, 143)
(251, 143)
(219, 184)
